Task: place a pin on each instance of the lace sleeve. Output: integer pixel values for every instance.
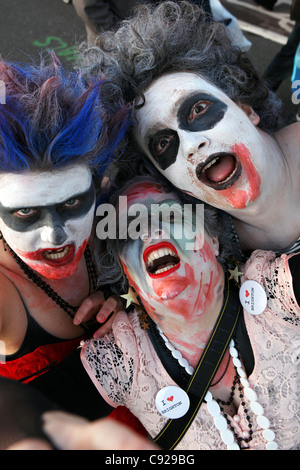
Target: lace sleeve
(109, 368)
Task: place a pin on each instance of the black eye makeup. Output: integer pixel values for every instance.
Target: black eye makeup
(200, 112)
(31, 218)
(163, 146)
(197, 112)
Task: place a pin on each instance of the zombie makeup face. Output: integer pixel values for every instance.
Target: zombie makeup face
(46, 217)
(172, 282)
(202, 141)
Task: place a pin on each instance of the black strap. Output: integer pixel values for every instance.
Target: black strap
(206, 369)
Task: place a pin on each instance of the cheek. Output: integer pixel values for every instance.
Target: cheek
(24, 241)
(132, 278)
(80, 229)
(240, 198)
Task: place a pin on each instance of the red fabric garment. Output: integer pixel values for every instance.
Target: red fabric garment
(123, 415)
(32, 365)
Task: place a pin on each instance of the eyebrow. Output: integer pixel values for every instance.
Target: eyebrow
(73, 196)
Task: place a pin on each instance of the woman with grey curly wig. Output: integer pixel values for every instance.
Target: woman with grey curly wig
(216, 223)
(186, 312)
(205, 119)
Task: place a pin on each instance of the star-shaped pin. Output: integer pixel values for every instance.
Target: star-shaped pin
(235, 274)
(131, 297)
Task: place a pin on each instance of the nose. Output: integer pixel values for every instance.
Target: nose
(192, 143)
(54, 235)
(155, 231)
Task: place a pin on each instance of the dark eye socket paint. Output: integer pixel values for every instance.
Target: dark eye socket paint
(45, 215)
(211, 111)
(198, 112)
(163, 146)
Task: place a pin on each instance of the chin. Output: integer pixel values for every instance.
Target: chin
(55, 273)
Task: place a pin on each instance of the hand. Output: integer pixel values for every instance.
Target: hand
(30, 443)
(95, 306)
(69, 432)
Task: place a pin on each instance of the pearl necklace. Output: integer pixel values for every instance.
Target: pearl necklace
(213, 407)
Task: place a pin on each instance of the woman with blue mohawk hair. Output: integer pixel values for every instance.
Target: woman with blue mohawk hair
(56, 139)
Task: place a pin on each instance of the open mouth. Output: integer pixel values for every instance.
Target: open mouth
(161, 259)
(59, 256)
(219, 171)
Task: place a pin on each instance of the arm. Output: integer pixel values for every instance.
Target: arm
(70, 432)
(10, 330)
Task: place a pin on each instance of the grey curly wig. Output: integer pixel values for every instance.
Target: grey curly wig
(173, 37)
(216, 223)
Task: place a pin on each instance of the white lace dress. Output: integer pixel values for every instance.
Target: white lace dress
(127, 371)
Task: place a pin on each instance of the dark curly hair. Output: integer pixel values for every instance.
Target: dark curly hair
(174, 37)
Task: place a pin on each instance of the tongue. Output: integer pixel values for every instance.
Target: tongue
(221, 169)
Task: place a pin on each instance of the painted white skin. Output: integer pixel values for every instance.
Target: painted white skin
(184, 300)
(267, 191)
(28, 193)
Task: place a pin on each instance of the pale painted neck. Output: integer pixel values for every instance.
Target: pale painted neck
(189, 331)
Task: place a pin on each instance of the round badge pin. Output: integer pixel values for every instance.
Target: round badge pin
(253, 297)
(172, 402)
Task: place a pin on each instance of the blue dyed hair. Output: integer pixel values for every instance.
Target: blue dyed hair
(51, 119)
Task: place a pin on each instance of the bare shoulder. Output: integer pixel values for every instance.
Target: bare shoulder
(8, 297)
(289, 137)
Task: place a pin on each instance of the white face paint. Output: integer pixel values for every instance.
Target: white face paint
(173, 282)
(46, 217)
(202, 141)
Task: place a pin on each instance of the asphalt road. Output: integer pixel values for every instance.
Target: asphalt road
(28, 27)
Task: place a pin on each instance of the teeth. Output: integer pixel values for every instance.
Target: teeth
(210, 164)
(228, 178)
(57, 254)
(159, 254)
(164, 269)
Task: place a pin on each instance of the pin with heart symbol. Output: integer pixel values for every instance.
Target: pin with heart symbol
(172, 402)
(253, 297)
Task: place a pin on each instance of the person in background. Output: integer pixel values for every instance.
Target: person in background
(218, 136)
(281, 65)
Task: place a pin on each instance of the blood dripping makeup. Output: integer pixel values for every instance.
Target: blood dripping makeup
(46, 217)
(175, 284)
(200, 140)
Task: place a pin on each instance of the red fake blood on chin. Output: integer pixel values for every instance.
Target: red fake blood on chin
(239, 199)
(52, 271)
(168, 289)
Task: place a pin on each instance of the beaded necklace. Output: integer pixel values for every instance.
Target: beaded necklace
(45, 287)
(216, 407)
